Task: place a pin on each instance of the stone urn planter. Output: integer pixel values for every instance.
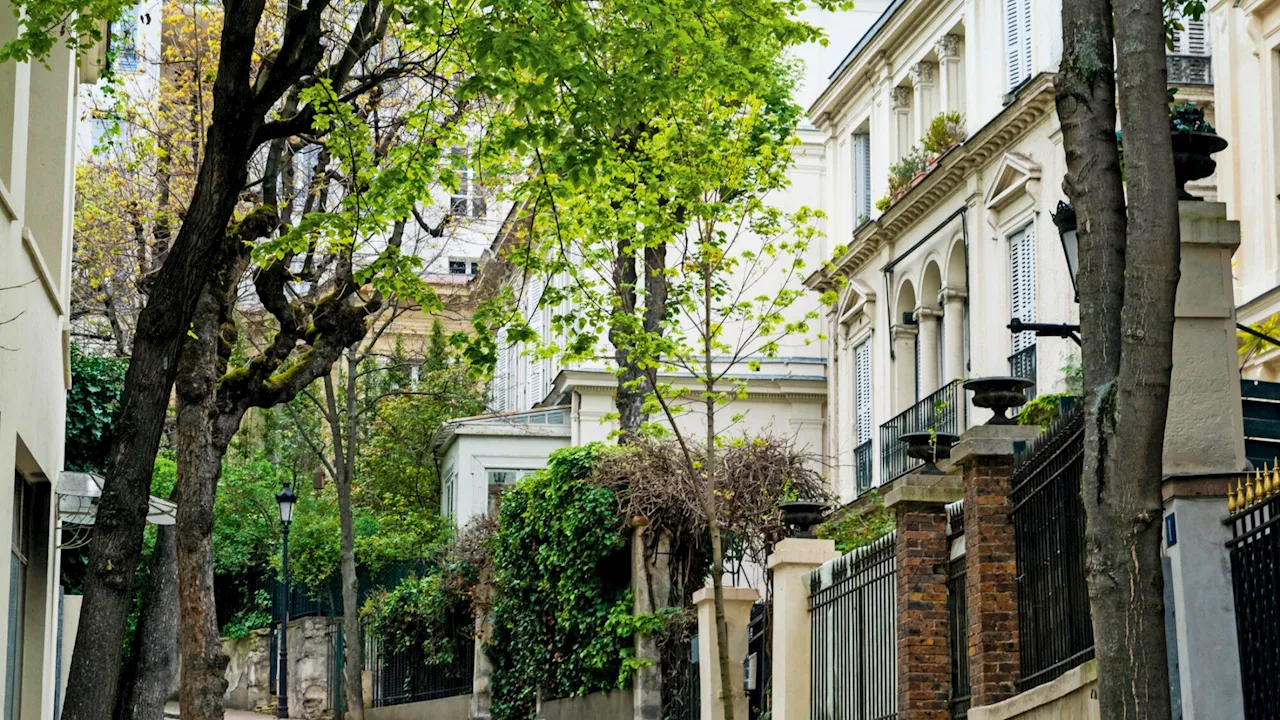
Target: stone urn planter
(929, 447)
(802, 515)
(998, 394)
(1191, 158)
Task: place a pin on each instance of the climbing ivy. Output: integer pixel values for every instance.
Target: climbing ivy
(562, 618)
(852, 530)
(92, 401)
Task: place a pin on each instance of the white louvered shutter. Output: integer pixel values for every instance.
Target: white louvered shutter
(1018, 35)
(862, 392)
(534, 386)
(1022, 265)
(498, 386)
(861, 176)
(1193, 39)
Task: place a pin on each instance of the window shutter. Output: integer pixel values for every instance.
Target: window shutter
(862, 176)
(1022, 266)
(498, 386)
(862, 392)
(1017, 28)
(534, 388)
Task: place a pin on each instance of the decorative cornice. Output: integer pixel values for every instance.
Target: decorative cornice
(1033, 103)
(948, 47)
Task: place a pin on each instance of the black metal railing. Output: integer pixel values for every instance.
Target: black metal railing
(1189, 69)
(863, 468)
(852, 616)
(759, 669)
(1055, 632)
(402, 675)
(1255, 578)
(943, 411)
(958, 616)
(682, 690)
(1023, 364)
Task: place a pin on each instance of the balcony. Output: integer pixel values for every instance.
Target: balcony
(1190, 69)
(943, 411)
(1023, 364)
(862, 465)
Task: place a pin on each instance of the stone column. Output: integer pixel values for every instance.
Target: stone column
(919, 503)
(953, 309)
(950, 75)
(791, 560)
(482, 671)
(903, 338)
(1204, 443)
(900, 140)
(986, 454)
(651, 587)
(927, 320)
(737, 613)
(924, 78)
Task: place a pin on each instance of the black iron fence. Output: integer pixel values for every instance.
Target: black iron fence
(758, 668)
(402, 675)
(863, 468)
(1255, 578)
(852, 616)
(1055, 632)
(958, 614)
(682, 692)
(943, 411)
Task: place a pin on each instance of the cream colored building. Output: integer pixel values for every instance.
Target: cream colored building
(1246, 58)
(928, 285)
(38, 113)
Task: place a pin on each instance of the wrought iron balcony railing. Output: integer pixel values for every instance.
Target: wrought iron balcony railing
(943, 411)
(863, 468)
(1189, 69)
(1023, 364)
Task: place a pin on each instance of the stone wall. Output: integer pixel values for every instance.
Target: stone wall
(450, 708)
(616, 705)
(249, 671)
(1073, 696)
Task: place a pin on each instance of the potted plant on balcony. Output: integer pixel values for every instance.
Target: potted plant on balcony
(1194, 141)
(945, 132)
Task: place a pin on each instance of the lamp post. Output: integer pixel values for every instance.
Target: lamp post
(1065, 219)
(286, 500)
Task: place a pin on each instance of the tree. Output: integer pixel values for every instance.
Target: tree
(1129, 270)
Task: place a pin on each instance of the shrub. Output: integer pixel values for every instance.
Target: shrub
(945, 131)
(883, 203)
(1187, 117)
(905, 169)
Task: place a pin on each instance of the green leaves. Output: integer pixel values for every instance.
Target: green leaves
(42, 24)
(562, 613)
(92, 401)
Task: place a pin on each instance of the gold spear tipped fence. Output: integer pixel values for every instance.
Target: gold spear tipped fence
(1253, 507)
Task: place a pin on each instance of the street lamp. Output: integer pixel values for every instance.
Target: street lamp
(1065, 219)
(286, 499)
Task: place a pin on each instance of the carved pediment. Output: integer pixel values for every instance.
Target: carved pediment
(1015, 174)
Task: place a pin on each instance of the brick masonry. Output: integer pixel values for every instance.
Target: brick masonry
(991, 583)
(924, 663)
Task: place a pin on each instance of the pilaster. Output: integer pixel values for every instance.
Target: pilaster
(792, 638)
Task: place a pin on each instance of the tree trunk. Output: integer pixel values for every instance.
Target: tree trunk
(1128, 279)
(629, 395)
(155, 654)
(709, 500)
(162, 325)
(199, 459)
(344, 447)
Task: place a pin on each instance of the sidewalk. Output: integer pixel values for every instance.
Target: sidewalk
(171, 711)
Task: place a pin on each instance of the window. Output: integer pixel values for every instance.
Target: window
(22, 511)
(534, 386)
(1193, 38)
(1022, 284)
(1017, 29)
(448, 493)
(457, 267)
(498, 386)
(862, 416)
(124, 36)
(468, 197)
(861, 178)
(500, 481)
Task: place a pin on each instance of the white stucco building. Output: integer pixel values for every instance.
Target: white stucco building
(38, 114)
(928, 285)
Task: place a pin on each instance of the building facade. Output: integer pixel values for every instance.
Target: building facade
(931, 271)
(1245, 38)
(38, 114)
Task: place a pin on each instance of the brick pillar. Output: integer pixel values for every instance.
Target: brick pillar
(919, 504)
(986, 454)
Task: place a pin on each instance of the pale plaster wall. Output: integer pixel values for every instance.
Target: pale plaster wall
(1073, 696)
(37, 116)
(451, 708)
(249, 671)
(616, 705)
(476, 450)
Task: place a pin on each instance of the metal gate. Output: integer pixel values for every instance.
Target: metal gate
(1255, 578)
